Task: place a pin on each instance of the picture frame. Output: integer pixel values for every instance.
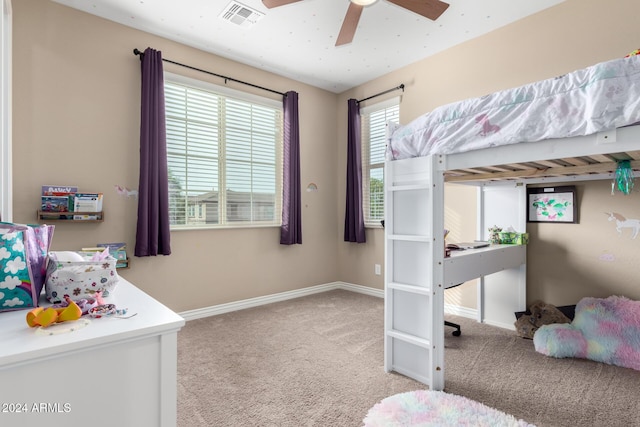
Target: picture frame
(552, 205)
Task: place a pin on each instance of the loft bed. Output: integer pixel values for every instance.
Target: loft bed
(574, 127)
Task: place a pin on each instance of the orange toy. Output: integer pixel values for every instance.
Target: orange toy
(44, 317)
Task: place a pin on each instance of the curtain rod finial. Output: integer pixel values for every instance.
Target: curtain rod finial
(136, 51)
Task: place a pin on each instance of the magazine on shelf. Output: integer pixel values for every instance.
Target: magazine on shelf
(54, 204)
(113, 246)
(58, 190)
(117, 250)
(87, 202)
(85, 217)
(56, 197)
(119, 254)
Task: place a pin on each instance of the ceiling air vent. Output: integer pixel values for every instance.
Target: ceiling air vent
(240, 14)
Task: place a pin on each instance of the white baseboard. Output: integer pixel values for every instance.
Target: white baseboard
(282, 296)
(458, 310)
(361, 289)
(472, 313)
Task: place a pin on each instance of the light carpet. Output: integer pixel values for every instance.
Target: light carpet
(424, 408)
(317, 361)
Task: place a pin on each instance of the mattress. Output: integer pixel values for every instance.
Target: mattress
(599, 98)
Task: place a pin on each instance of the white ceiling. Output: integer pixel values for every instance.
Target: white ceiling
(297, 40)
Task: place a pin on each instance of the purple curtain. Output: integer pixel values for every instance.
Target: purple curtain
(152, 234)
(291, 230)
(354, 219)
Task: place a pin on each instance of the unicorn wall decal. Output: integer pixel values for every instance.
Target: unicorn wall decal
(622, 222)
(124, 191)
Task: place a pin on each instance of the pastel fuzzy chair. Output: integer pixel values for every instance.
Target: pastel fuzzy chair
(605, 330)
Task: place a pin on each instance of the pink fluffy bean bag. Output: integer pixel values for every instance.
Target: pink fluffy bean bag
(605, 330)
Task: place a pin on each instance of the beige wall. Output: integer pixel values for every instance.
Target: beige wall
(565, 262)
(76, 119)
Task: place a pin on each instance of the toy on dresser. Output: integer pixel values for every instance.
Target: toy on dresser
(44, 317)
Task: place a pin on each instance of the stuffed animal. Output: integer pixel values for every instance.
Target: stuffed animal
(541, 314)
(605, 330)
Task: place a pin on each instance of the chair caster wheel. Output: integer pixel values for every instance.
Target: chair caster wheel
(456, 333)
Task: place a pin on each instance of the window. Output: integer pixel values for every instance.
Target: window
(223, 154)
(374, 123)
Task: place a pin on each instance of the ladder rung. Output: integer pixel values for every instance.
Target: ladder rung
(410, 288)
(409, 187)
(409, 238)
(420, 342)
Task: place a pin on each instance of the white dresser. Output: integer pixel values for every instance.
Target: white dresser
(104, 372)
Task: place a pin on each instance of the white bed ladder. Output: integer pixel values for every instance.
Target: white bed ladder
(414, 254)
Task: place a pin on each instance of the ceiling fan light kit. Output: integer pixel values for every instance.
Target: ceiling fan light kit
(364, 2)
(430, 9)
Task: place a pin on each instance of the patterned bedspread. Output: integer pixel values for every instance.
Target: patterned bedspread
(595, 99)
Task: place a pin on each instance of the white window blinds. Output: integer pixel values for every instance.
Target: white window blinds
(223, 155)
(374, 121)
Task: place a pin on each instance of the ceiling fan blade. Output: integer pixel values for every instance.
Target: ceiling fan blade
(349, 25)
(275, 3)
(431, 9)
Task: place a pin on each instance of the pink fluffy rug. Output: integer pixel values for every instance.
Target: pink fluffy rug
(436, 408)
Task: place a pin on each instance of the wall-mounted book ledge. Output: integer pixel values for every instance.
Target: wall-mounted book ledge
(71, 216)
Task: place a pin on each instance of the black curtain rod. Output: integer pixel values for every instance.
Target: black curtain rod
(382, 93)
(141, 54)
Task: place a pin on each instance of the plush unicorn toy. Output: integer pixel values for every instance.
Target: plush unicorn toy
(604, 330)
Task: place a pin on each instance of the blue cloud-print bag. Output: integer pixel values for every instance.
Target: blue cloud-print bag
(23, 257)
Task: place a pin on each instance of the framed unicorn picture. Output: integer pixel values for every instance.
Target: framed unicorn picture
(552, 204)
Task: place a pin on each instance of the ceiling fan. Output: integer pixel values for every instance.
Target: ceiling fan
(430, 9)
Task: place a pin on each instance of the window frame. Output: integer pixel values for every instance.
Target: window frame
(366, 157)
(242, 96)
(6, 60)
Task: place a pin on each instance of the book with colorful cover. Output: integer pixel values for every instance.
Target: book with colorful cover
(58, 190)
(86, 217)
(87, 202)
(118, 251)
(119, 254)
(67, 191)
(120, 246)
(54, 204)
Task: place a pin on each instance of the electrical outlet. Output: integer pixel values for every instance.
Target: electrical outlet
(377, 269)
